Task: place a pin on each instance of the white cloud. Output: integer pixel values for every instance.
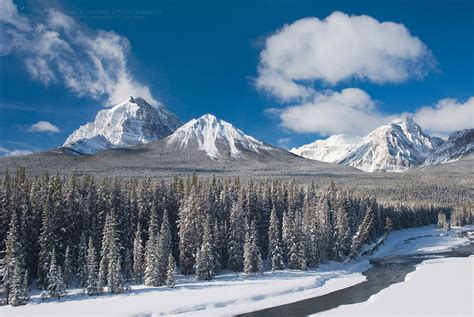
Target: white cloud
(7, 152)
(446, 116)
(353, 112)
(9, 14)
(58, 49)
(350, 111)
(338, 48)
(304, 57)
(43, 126)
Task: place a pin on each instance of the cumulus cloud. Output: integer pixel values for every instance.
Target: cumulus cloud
(16, 152)
(446, 116)
(350, 111)
(58, 49)
(43, 126)
(302, 62)
(340, 47)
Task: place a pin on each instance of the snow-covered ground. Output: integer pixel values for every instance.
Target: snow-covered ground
(438, 287)
(231, 293)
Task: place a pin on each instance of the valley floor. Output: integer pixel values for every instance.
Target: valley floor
(231, 293)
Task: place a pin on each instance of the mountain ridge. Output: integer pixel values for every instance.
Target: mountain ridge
(394, 147)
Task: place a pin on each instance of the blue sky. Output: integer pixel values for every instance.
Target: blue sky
(205, 57)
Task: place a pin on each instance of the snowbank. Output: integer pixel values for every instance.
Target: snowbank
(231, 293)
(437, 287)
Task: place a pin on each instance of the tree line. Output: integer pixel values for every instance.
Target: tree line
(58, 232)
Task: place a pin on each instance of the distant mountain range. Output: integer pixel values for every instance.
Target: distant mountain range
(154, 137)
(394, 147)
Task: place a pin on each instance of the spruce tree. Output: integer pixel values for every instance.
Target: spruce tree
(190, 230)
(12, 265)
(81, 262)
(138, 256)
(56, 287)
(252, 258)
(274, 242)
(163, 249)
(47, 242)
(110, 271)
(92, 284)
(171, 272)
(151, 275)
(67, 268)
(363, 233)
(18, 294)
(236, 236)
(342, 237)
(206, 262)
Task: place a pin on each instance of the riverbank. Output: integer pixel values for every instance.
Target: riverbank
(441, 286)
(233, 294)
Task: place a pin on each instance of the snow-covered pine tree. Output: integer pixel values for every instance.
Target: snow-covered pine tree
(252, 258)
(138, 256)
(206, 262)
(342, 239)
(190, 229)
(56, 287)
(301, 250)
(171, 272)
(151, 275)
(81, 262)
(292, 239)
(47, 242)
(274, 242)
(111, 255)
(363, 233)
(92, 284)
(12, 265)
(25, 288)
(18, 294)
(236, 236)
(67, 268)
(163, 249)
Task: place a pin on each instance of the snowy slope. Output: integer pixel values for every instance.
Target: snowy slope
(331, 150)
(459, 143)
(217, 138)
(394, 147)
(231, 294)
(131, 122)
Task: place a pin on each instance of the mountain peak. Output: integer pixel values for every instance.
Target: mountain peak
(333, 149)
(394, 147)
(131, 122)
(216, 137)
(208, 117)
(459, 144)
(405, 120)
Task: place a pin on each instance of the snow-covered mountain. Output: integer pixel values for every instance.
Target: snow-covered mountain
(393, 147)
(333, 149)
(131, 122)
(217, 138)
(459, 144)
